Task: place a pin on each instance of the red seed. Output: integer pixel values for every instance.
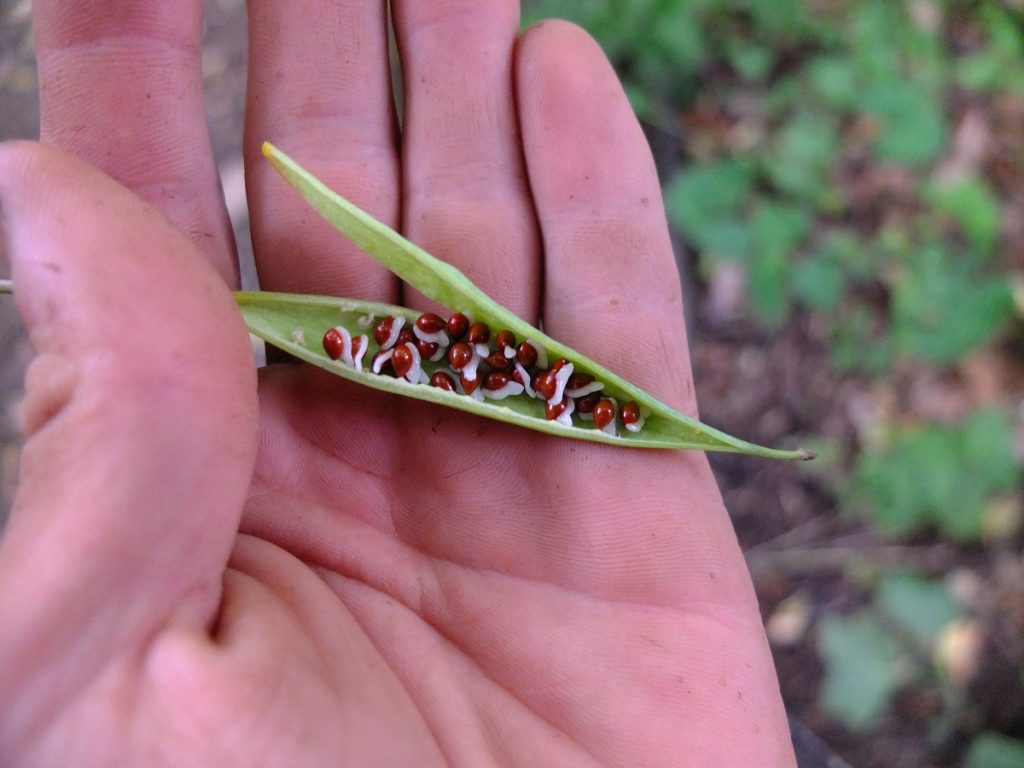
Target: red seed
(469, 386)
(505, 339)
(357, 345)
(442, 380)
(587, 403)
(558, 364)
(402, 360)
(495, 380)
(458, 325)
(526, 355)
(427, 348)
(552, 412)
(546, 384)
(428, 322)
(459, 355)
(499, 361)
(406, 336)
(479, 333)
(382, 331)
(604, 413)
(578, 380)
(630, 413)
(334, 344)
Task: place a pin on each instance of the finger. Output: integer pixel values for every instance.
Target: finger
(611, 284)
(319, 88)
(465, 190)
(121, 87)
(140, 418)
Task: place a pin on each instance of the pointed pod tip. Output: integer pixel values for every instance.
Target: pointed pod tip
(268, 149)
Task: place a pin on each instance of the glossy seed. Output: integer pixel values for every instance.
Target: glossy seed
(587, 403)
(630, 413)
(429, 322)
(457, 326)
(386, 332)
(406, 336)
(496, 380)
(334, 344)
(558, 364)
(604, 413)
(552, 412)
(579, 380)
(479, 333)
(545, 383)
(469, 385)
(427, 348)
(506, 343)
(402, 360)
(526, 355)
(459, 355)
(442, 380)
(499, 361)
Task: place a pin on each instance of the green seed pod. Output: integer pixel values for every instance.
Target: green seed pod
(297, 323)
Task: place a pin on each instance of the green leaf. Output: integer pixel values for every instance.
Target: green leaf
(861, 668)
(819, 283)
(296, 324)
(802, 155)
(937, 474)
(913, 126)
(920, 607)
(706, 203)
(834, 78)
(992, 750)
(776, 230)
(973, 206)
(941, 310)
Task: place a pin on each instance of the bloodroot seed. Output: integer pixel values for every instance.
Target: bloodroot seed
(506, 343)
(459, 355)
(469, 386)
(561, 412)
(386, 332)
(587, 403)
(496, 380)
(406, 336)
(427, 348)
(479, 333)
(546, 383)
(458, 325)
(442, 380)
(402, 360)
(428, 322)
(498, 361)
(526, 355)
(604, 413)
(630, 413)
(334, 344)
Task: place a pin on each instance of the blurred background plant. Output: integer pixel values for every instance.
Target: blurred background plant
(847, 181)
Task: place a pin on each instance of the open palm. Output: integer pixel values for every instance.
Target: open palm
(203, 570)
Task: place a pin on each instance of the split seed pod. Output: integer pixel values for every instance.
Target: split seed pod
(287, 320)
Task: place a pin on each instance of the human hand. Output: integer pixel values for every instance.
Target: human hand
(203, 571)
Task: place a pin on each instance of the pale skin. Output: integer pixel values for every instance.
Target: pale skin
(206, 566)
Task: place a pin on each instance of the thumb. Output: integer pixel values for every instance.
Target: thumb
(140, 418)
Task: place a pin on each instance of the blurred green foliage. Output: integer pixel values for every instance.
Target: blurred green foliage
(808, 99)
(819, 140)
(868, 656)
